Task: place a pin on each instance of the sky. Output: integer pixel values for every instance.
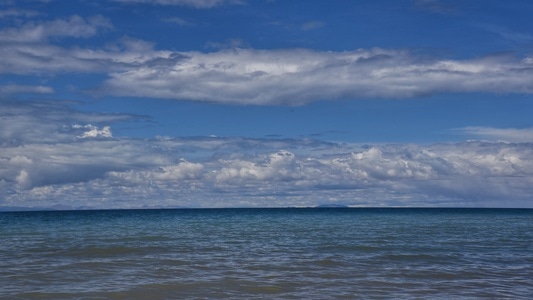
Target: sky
(265, 103)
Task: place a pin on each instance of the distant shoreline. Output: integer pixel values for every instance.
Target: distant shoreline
(320, 207)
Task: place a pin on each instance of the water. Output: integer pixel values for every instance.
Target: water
(330, 253)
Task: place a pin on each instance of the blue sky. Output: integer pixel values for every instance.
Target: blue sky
(217, 103)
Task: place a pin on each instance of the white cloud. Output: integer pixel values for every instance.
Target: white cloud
(30, 48)
(77, 161)
(126, 54)
(65, 156)
(294, 76)
(23, 179)
(91, 131)
(251, 76)
(278, 166)
(499, 134)
(214, 172)
(75, 26)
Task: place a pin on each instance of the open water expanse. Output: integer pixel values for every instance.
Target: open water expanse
(289, 253)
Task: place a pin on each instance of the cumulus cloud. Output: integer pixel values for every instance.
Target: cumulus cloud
(279, 166)
(22, 179)
(52, 154)
(222, 172)
(91, 131)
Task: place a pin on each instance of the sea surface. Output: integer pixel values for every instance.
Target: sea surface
(285, 253)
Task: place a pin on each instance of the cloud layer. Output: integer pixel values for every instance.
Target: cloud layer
(83, 165)
(499, 134)
(292, 77)
(251, 76)
(130, 174)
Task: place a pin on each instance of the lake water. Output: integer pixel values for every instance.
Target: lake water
(286, 253)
